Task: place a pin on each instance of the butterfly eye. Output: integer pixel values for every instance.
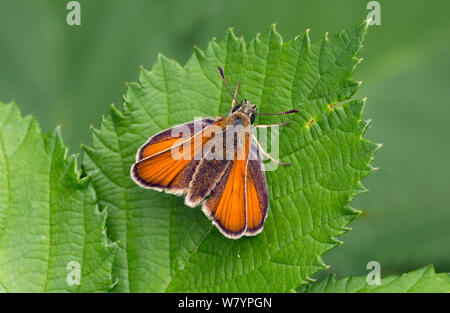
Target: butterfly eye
(235, 108)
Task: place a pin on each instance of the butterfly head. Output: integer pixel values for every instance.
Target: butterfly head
(247, 108)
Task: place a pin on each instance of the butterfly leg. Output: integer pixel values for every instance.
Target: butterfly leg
(268, 155)
(272, 125)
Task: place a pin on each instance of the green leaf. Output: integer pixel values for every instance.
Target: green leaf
(50, 226)
(166, 246)
(421, 280)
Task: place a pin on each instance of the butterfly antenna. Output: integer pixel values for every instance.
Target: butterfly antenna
(226, 84)
(235, 95)
(281, 113)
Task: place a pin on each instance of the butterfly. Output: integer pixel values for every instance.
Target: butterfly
(215, 163)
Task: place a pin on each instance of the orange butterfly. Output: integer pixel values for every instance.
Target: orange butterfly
(213, 162)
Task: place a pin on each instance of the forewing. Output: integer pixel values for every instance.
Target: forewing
(169, 137)
(157, 168)
(257, 200)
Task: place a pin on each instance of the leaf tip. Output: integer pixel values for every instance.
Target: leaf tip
(160, 57)
(199, 53)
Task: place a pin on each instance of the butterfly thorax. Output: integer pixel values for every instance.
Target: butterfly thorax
(236, 119)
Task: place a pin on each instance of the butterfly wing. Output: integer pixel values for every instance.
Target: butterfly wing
(157, 168)
(167, 138)
(238, 199)
(226, 205)
(238, 203)
(206, 177)
(257, 200)
(210, 170)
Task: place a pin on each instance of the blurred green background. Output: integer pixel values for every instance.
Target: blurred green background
(69, 75)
